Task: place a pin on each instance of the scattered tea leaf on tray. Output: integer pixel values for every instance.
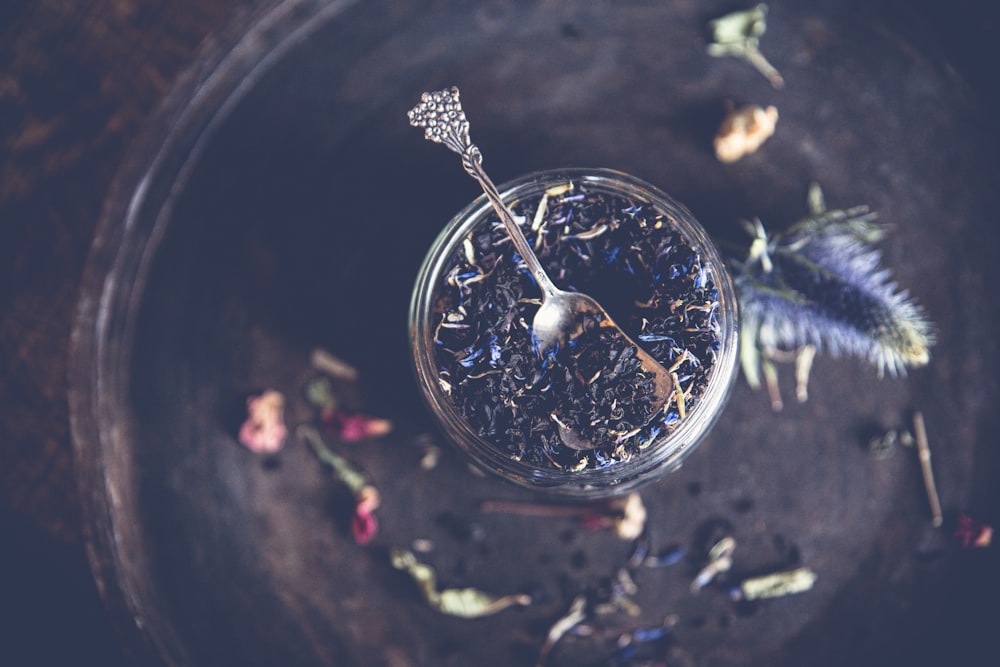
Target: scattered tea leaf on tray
(461, 602)
(577, 614)
(778, 584)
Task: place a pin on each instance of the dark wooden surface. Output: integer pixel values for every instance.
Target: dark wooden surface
(77, 80)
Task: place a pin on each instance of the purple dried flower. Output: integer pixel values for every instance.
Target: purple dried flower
(820, 285)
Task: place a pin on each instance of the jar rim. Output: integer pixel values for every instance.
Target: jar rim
(666, 452)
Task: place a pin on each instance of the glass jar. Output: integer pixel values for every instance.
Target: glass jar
(651, 266)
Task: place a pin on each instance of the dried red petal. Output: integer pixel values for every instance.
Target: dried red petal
(352, 428)
(364, 526)
(973, 533)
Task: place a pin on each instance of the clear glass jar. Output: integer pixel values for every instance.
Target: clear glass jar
(451, 292)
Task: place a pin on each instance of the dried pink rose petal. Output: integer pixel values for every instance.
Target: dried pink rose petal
(973, 533)
(364, 525)
(264, 429)
(352, 428)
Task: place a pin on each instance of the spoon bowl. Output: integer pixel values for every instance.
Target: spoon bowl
(563, 317)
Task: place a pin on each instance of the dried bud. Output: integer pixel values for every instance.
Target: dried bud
(632, 522)
(743, 131)
(264, 429)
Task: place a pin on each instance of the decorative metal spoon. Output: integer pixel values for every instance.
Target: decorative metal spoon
(562, 314)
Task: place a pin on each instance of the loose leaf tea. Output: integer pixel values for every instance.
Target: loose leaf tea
(628, 255)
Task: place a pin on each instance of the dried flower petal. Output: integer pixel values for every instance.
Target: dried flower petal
(355, 427)
(743, 131)
(632, 521)
(364, 526)
(973, 533)
(264, 429)
(461, 602)
(572, 618)
(360, 427)
(778, 584)
(720, 560)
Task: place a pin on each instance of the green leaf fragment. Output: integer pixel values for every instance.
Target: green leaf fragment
(778, 584)
(733, 31)
(461, 602)
(738, 34)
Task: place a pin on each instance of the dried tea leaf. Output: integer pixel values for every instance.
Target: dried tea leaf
(576, 615)
(778, 584)
(461, 602)
(474, 603)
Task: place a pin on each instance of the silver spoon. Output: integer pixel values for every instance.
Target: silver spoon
(562, 314)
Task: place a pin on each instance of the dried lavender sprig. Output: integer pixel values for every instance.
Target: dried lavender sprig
(821, 284)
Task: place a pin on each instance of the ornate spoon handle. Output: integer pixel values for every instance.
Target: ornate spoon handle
(440, 114)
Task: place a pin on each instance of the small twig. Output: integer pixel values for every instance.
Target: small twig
(626, 514)
(924, 452)
(533, 509)
(803, 365)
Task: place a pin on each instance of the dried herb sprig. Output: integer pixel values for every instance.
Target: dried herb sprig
(820, 285)
(364, 525)
(738, 34)
(625, 514)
